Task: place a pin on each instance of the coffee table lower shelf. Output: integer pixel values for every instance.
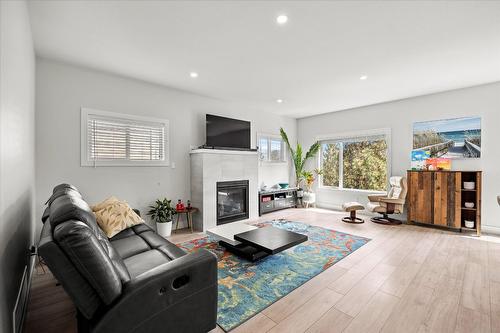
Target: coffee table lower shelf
(244, 251)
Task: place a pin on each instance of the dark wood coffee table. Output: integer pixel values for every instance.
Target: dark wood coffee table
(259, 243)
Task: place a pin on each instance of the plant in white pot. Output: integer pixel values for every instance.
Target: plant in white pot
(309, 177)
(161, 212)
(298, 160)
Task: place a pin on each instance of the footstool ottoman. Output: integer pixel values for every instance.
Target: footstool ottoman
(352, 207)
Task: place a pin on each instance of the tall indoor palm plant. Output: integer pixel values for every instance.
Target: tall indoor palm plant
(298, 160)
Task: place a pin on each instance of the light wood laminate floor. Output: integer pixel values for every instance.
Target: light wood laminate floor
(407, 279)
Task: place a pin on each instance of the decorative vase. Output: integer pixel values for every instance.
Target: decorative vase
(164, 229)
(309, 197)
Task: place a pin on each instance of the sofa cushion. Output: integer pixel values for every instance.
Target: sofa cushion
(69, 207)
(84, 250)
(145, 261)
(171, 251)
(78, 288)
(115, 217)
(141, 238)
(130, 246)
(132, 231)
(63, 189)
(64, 186)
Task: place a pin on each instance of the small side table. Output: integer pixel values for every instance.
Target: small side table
(189, 217)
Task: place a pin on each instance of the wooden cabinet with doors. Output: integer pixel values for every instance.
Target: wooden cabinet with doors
(439, 198)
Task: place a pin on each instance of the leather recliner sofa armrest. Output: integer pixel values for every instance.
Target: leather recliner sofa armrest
(178, 296)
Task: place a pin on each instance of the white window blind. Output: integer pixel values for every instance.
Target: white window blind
(116, 139)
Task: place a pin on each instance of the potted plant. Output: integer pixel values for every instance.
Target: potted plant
(310, 176)
(161, 212)
(298, 160)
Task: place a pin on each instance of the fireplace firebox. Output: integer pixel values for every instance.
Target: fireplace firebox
(232, 201)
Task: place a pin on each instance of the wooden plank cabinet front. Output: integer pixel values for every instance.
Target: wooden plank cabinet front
(438, 198)
(420, 197)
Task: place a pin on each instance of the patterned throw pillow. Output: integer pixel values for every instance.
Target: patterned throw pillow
(114, 216)
(104, 204)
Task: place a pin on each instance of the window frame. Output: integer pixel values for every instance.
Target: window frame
(86, 161)
(386, 132)
(269, 138)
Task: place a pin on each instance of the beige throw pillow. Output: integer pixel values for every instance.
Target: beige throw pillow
(114, 216)
(104, 204)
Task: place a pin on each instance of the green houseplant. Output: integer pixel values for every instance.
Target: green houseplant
(310, 177)
(162, 212)
(297, 157)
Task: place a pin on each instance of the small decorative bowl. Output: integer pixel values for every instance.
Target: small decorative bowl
(469, 185)
(469, 205)
(283, 185)
(469, 224)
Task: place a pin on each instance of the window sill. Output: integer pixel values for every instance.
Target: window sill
(336, 189)
(273, 162)
(99, 164)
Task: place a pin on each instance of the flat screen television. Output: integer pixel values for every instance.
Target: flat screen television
(225, 132)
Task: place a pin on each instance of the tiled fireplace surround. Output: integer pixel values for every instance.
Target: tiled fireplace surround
(209, 166)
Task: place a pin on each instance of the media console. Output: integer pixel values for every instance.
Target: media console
(272, 200)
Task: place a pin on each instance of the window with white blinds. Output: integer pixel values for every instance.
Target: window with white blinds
(112, 139)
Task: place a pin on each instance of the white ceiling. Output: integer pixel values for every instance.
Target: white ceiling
(313, 62)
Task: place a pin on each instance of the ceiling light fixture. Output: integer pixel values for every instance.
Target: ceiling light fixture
(193, 74)
(279, 101)
(282, 19)
(363, 77)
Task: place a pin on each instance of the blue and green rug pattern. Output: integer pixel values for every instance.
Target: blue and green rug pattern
(246, 288)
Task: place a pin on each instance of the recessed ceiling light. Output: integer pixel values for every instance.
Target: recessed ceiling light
(193, 74)
(279, 101)
(363, 77)
(282, 19)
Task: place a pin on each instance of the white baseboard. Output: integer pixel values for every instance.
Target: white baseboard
(328, 206)
(490, 230)
(21, 305)
(339, 208)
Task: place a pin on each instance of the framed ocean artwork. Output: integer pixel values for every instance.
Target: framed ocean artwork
(457, 138)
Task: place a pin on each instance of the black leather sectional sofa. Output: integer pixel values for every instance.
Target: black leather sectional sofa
(136, 281)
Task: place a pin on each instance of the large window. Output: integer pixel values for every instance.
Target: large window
(112, 139)
(271, 148)
(355, 162)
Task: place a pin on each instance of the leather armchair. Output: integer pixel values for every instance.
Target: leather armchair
(391, 203)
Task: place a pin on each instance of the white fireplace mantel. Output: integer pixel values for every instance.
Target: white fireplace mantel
(224, 152)
(209, 166)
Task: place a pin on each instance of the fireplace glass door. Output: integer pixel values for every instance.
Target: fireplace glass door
(232, 201)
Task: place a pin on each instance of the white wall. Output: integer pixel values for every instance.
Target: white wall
(481, 101)
(17, 155)
(62, 89)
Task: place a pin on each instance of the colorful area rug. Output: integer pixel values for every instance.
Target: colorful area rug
(246, 288)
